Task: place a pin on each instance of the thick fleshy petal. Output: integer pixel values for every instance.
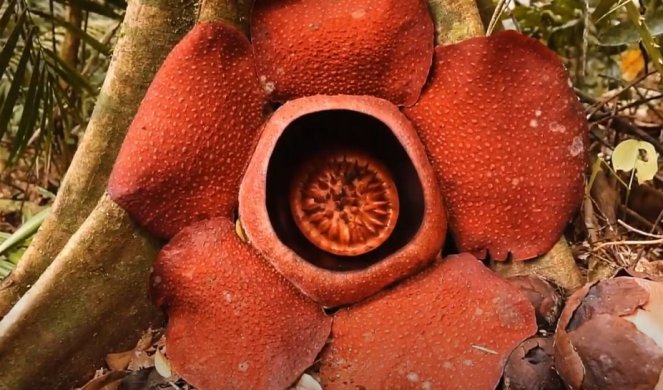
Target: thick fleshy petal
(451, 327)
(234, 322)
(185, 152)
(507, 137)
(382, 48)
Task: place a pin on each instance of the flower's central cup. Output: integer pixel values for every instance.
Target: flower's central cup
(344, 202)
(340, 198)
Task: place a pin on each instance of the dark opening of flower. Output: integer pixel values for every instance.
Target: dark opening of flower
(348, 193)
(344, 202)
(334, 153)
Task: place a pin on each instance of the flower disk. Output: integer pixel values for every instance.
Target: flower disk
(345, 203)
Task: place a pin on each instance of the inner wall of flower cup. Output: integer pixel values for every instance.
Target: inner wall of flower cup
(316, 133)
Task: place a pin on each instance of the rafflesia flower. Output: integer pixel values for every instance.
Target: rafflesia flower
(344, 198)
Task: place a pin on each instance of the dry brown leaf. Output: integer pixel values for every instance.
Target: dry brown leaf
(134, 359)
(119, 361)
(600, 269)
(140, 360)
(145, 341)
(557, 266)
(649, 269)
(108, 381)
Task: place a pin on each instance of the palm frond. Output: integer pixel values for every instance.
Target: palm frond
(43, 97)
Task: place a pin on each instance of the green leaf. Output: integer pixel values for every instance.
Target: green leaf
(10, 44)
(68, 73)
(648, 42)
(30, 110)
(639, 155)
(602, 8)
(94, 7)
(92, 41)
(626, 33)
(25, 231)
(5, 268)
(602, 13)
(12, 95)
(6, 16)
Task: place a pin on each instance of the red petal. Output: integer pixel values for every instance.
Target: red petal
(186, 149)
(233, 321)
(452, 327)
(507, 137)
(382, 48)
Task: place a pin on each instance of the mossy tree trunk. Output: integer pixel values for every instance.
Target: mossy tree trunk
(151, 28)
(92, 299)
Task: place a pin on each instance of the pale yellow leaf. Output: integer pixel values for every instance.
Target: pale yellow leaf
(639, 155)
(162, 365)
(307, 382)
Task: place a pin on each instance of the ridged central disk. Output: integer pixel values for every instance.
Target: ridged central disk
(344, 202)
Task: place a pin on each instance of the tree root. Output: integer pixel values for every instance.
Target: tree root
(93, 299)
(149, 31)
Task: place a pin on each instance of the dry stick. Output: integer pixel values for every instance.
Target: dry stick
(644, 100)
(590, 220)
(654, 227)
(636, 230)
(502, 5)
(633, 214)
(598, 105)
(622, 125)
(638, 103)
(629, 242)
(89, 66)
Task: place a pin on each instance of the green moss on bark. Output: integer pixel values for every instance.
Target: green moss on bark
(235, 12)
(92, 300)
(455, 20)
(148, 34)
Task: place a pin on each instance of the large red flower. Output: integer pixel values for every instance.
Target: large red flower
(341, 194)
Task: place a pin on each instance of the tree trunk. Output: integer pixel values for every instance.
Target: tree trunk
(92, 300)
(150, 30)
(455, 20)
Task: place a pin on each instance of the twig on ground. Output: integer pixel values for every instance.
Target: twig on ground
(629, 242)
(636, 230)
